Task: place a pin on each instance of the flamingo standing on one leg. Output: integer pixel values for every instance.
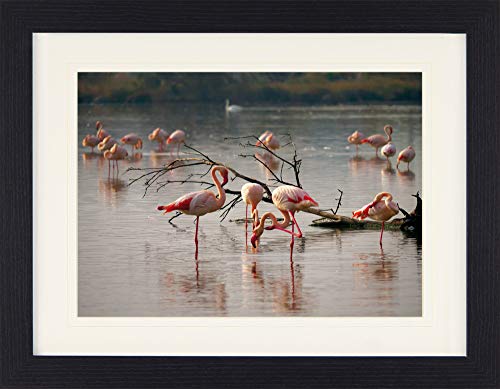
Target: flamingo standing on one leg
(90, 141)
(355, 138)
(202, 202)
(407, 155)
(377, 141)
(252, 195)
(388, 150)
(115, 154)
(159, 136)
(379, 209)
(106, 144)
(134, 140)
(288, 199)
(101, 132)
(177, 137)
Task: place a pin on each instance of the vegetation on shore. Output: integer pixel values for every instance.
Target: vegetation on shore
(250, 88)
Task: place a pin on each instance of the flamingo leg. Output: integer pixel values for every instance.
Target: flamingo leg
(117, 169)
(299, 234)
(178, 148)
(109, 167)
(292, 241)
(381, 233)
(196, 237)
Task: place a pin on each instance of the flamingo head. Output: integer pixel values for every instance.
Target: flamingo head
(257, 233)
(225, 176)
(125, 139)
(388, 129)
(98, 125)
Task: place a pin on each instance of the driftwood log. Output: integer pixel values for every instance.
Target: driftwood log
(411, 223)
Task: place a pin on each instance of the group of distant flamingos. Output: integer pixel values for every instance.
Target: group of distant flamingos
(287, 199)
(378, 141)
(113, 152)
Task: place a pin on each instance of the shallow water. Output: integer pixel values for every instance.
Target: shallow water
(132, 262)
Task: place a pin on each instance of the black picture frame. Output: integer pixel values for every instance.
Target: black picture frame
(478, 19)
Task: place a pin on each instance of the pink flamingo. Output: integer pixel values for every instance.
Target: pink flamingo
(201, 202)
(288, 199)
(252, 195)
(90, 141)
(377, 141)
(269, 140)
(101, 132)
(134, 140)
(407, 155)
(159, 136)
(355, 138)
(115, 154)
(106, 143)
(379, 209)
(388, 150)
(177, 137)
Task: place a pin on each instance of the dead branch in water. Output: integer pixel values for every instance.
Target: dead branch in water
(157, 177)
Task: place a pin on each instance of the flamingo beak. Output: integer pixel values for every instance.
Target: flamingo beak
(225, 176)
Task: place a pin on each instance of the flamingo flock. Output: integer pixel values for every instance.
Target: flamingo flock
(287, 199)
(105, 143)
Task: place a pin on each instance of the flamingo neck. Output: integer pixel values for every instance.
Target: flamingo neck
(222, 193)
(274, 220)
(388, 133)
(381, 195)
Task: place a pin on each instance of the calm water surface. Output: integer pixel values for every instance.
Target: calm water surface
(132, 262)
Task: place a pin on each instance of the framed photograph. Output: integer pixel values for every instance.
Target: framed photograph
(188, 202)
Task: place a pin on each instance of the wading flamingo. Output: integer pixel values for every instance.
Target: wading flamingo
(379, 209)
(232, 108)
(202, 202)
(288, 199)
(159, 136)
(377, 141)
(115, 154)
(177, 137)
(269, 140)
(355, 139)
(134, 140)
(388, 150)
(90, 141)
(252, 195)
(101, 132)
(407, 155)
(106, 143)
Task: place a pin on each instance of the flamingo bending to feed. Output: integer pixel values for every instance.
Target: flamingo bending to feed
(106, 143)
(101, 132)
(177, 137)
(90, 141)
(201, 202)
(159, 136)
(232, 108)
(377, 140)
(288, 199)
(388, 150)
(407, 155)
(252, 195)
(132, 139)
(115, 154)
(379, 209)
(355, 139)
